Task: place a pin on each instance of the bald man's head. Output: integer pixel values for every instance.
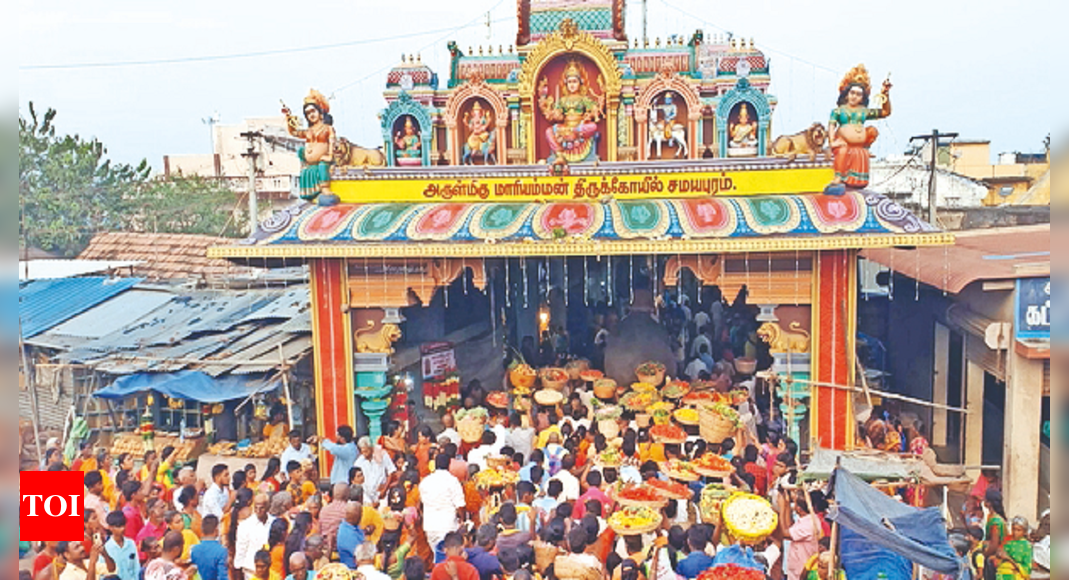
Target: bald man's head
(260, 505)
(340, 492)
(298, 566)
(353, 513)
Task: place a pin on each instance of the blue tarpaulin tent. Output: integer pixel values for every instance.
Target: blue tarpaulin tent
(190, 385)
(865, 560)
(916, 534)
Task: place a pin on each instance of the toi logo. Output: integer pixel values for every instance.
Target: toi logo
(51, 506)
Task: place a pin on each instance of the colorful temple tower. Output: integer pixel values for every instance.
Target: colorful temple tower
(680, 98)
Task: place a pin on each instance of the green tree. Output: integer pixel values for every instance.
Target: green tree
(69, 191)
(185, 205)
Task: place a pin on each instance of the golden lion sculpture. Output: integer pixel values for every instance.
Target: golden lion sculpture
(808, 142)
(781, 341)
(348, 154)
(377, 342)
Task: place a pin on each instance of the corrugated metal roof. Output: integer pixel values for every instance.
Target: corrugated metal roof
(988, 254)
(52, 269)
(185, 316)
(217, 332)
(291, 350)
(290, 303)
(44, 304)
(113, 315)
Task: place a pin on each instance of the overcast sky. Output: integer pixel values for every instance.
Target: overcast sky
(984, 68)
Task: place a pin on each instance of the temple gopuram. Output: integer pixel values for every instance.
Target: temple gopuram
(680, 99)
(577, 169)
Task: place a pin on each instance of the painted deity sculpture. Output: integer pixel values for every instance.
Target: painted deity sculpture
(317, 155)
(743, 132)
(480, 137)
(850, 139)
(670, 111)
(575, 114)
(666, 130)
(408, 147)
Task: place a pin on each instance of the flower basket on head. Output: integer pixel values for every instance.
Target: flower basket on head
(554, 378)
(498, 462)
(605, 389)
(746, 366)
(522, 376)
(634, 521)
(609, 428)
(639, 496)
(548, 398)
(470, 430)
(651, 372)
(749, 518)
(717, 422)
(576, 367)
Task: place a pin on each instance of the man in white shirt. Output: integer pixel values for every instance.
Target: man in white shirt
(216, 500)
(252, 536)
(501, 430)
(365, 562)
(442, 497)
(567, 479)
(701, 319)
(377, 467)
(298, 450)
(489, 447)
(186, 476)
(694, 368)
(520, 438)
(449, 433)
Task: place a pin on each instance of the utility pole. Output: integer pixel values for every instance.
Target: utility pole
(251, 155)
(933, 140)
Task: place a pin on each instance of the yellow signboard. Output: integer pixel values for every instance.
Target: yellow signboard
(531, 188)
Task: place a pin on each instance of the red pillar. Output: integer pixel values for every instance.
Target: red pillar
(333, 348)
(834, 323)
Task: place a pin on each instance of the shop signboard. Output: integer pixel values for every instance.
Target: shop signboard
(1032, 311)
(439, 358)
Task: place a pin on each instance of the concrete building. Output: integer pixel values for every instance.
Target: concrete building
(1007, 180)
(277, 166)
(968, 326)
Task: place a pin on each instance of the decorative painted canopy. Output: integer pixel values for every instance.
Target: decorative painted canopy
(857, 219)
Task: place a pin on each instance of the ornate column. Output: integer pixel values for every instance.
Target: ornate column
(832, 423)
(332, 347)
(792, 364)
(370, 368)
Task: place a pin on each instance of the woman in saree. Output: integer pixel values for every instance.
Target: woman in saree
(849, 137)
(994, 532)
(1015, 558)
(317, 155)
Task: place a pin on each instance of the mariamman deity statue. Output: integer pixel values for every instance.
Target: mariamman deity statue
(743, 132)
(480, 138)
(849, 137)
(317, 155)
(409, 148)
(575, 114)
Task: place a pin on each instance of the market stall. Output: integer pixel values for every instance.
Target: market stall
(191, 404)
